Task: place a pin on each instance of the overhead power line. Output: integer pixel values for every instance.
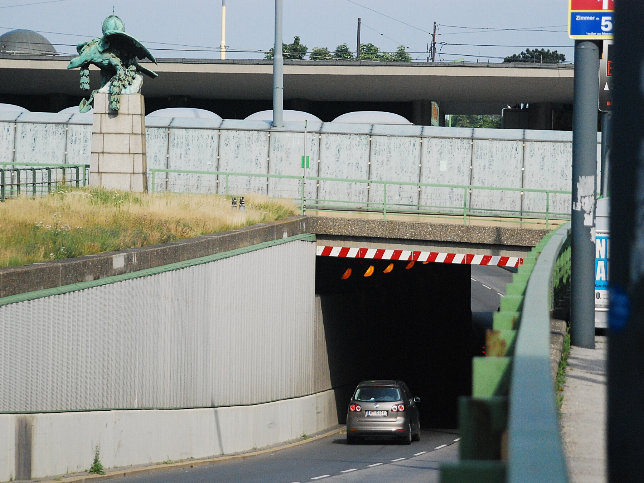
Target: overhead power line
(17, 5)
(383, 35)
(506, 45)
(388, 16)
(559, 28)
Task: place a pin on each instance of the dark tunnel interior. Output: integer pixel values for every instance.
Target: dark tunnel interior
(412, 323)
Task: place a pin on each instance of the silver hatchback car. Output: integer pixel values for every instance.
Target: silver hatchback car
(383, 409)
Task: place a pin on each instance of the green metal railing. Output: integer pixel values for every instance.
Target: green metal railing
(378, 198)
(509, 427)
(35, 179)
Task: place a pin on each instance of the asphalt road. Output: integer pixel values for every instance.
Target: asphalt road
(488, 284)
(330, 458)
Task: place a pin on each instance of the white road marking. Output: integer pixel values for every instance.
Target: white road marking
(320, 477)
(398, 459)
(418, 454)
(441, 446)
(375, 464)
(349, 471)
(457, 439)
(487, 286)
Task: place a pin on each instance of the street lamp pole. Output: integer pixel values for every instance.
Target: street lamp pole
(278, 69)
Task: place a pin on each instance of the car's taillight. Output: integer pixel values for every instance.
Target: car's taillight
(399, 407)
(355, 407)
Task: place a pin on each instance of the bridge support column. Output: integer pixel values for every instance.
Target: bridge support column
(422, 113)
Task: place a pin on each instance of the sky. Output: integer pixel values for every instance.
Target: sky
(467, 30)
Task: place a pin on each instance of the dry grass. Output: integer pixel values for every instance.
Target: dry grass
(75, 222)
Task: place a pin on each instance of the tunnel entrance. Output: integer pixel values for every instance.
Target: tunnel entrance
(408, 321)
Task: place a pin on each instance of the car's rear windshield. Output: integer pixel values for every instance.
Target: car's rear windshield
(377, 393)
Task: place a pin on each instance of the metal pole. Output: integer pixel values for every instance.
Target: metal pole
(222, 45)
(358, 40)
(434, 44)
(278, 69)
(626, 278)
(606, 125)
(584, 169)
(304, 166)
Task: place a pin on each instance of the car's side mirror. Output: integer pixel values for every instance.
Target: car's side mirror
(416, 399)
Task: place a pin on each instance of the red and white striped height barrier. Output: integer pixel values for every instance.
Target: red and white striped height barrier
(418, 256)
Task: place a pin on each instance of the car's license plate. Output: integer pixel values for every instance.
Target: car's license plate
(375, 413)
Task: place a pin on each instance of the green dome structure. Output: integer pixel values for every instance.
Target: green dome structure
(25, 42)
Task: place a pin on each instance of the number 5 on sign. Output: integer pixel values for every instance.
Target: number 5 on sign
(607, 24)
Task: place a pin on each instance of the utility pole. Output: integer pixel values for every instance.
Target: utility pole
(222, 45)
(584, 187)
(278, 69)
(433, 50)
(626, 279)
(358, 44)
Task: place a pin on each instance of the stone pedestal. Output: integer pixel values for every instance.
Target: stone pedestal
(118, 144)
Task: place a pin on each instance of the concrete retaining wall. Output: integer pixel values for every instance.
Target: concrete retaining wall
(198, 358)
(42, 445)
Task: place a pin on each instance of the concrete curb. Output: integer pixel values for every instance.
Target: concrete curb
(122, 472)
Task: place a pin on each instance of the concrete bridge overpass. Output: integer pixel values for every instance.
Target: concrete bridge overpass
(249, 291)
(235, 89)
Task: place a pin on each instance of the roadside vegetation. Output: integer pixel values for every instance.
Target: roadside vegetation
(561, 372)
(82, 221)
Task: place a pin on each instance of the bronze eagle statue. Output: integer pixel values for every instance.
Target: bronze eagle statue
(116, 54)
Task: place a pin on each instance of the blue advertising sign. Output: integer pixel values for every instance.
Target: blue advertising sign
(602, 258)
(585, 25)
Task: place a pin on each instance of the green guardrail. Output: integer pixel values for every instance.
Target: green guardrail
(161, 180)
(509, 426)
(35, 179)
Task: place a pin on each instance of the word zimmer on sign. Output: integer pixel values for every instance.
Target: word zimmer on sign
(591, 19)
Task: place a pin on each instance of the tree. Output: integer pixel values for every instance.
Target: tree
(342, 52)
(400, 55)
(541, 56)
(320, 53)
(296, 50)
(475, 120)
(370, 52)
